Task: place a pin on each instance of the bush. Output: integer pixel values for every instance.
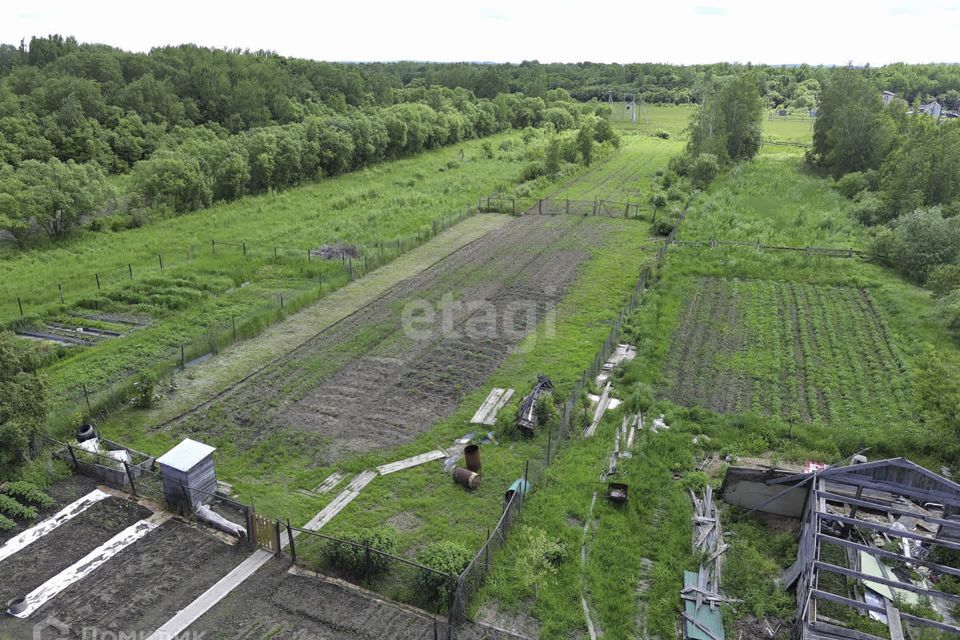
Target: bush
(446, 557)
(949, 309)
(143, 391)
(944, 279)
(661, 133)
(547, 412)
(13, 508)
(658, 199)
(29, 492)
(852, 183)
(662, 227)
(353, 559)
(6, 524)
(704, 170)
(869, 209)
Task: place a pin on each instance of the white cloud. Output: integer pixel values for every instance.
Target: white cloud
(815, 31)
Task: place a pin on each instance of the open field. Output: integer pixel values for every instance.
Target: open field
(802, 351)
(625, 175)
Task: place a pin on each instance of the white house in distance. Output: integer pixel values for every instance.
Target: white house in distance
(888, 97)
(931, 109)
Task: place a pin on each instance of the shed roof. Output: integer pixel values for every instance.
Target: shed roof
(186, 455)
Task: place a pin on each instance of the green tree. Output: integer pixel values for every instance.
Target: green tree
(728, 122)
(924, 240)
(173, 179)
(23, 402)
(853, 131)
(585, 143)
(58, 194)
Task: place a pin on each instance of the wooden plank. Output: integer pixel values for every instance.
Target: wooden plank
(888, 530)
(34, 533)
(598, 413)
(866, 504)
(893, 622)
(339, 503)
(331, 481)
(487, 413)
(90, 563)
(208, 599)
(699, 626)
(896, 584)
(586, 614)
(883, 553)
(400, 465)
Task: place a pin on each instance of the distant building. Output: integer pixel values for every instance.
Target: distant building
(932, 109)
(888, 97)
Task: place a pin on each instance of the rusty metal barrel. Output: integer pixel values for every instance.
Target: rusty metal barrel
(472, 454)
(466, 478)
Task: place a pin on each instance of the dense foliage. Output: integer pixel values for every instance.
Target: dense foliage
(902, 168)
(22, 402)
(195, 126)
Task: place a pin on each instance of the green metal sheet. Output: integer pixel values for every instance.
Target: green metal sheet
(709, 618)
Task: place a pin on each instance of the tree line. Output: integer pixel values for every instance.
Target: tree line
(901, 168)
(196, 126)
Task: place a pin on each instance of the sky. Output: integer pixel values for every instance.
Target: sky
(676, 31)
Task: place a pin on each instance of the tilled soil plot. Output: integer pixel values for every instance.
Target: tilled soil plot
(279, 605)
(64, 492)
(804, 352)
(389, 371)
(32, 566)
(142, 586)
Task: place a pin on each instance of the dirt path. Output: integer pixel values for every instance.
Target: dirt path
(205, 380)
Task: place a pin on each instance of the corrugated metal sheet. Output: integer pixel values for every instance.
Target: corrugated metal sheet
(704, 615)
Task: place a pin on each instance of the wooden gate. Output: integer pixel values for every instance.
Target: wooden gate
(266, 533)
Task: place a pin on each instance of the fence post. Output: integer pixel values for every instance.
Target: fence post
(213, 246)
(308, 255)
(183, 361)
(87, 397)
(133, 487)
(451, 597)
(160, 257)
(293, 550)
(20, 304)
(281, 302)
(97, 276)
(244, 247)
(60, 289)
(540, 205)
(568, 205)
(234, 322)
(526, 480)
(366, 560)
(275, 256)
(486, 547)
(549, 443)
(251, 543)
(76, 465)
(514, 205)
(350, 267)
(276, 528)
(130, 269)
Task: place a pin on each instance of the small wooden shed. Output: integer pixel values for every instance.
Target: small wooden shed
(189, 478)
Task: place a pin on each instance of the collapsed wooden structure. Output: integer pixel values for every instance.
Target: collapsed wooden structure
(701, 590)
(871, 543)
(527, 414)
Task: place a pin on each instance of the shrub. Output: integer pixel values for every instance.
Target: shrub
(658, 199)
(869, 209)
(6, 524)
(944, 279)
(143, 391)
(662, 133)
(547, 411)
(852, 183)
(13, 508)
(662, 227)
(28, 492)
(704, 170)
(949, 309)
(353, 559)
(446, 557)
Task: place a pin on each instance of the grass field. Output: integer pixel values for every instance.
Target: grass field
(812, 338)
(258, 265)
